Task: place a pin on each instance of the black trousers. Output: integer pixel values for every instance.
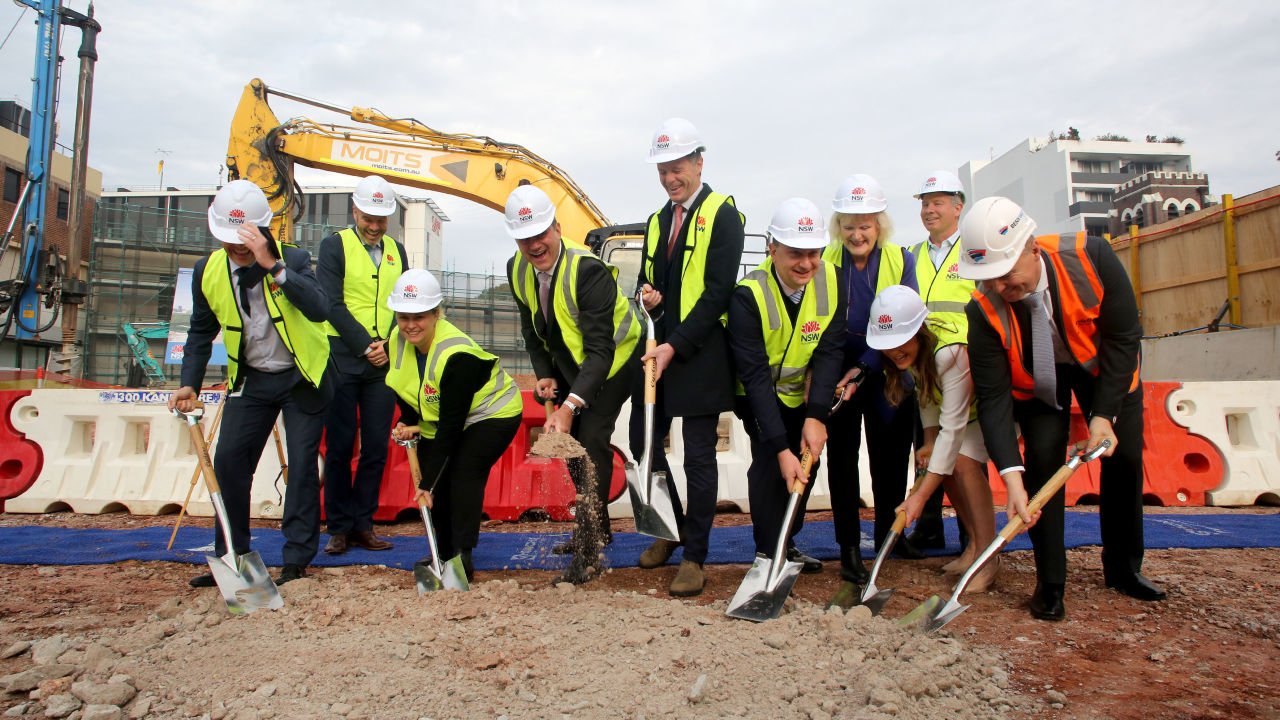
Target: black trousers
(246, 428)
(701, 472)
(458, 496)
(766, 491)
(1045, 440)
(364, 405)
(594, 429)
(889, 452)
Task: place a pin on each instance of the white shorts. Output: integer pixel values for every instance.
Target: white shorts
(972, 445)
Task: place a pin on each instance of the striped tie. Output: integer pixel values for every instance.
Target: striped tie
(1042, 366)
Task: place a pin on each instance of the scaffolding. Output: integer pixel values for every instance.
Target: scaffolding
(133, 270)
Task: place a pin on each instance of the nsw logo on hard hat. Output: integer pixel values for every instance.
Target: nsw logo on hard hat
(525, 214)
(235, 217)
(663, 142)
(377, 197)
(885, 322)
(931, 182)
(410, 292)
(804, 224)
(810, 331)
(858, 193)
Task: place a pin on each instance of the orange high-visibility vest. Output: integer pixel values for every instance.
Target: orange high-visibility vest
(1079, 302)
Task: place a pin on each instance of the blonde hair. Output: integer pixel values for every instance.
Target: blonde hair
(884, 226)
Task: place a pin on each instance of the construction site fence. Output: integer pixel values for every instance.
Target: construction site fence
(1212, 269)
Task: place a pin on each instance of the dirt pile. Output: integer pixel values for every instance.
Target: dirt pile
(354, 644)
(587, 543)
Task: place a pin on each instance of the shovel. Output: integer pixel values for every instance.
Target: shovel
(953, 608)
(651, 502)
(432, 576)
(768, 583)
(875, 598)
(195, 476)
(242, 579)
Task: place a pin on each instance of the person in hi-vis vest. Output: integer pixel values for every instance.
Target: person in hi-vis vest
(945, 294)
(263, 297)
(465, 408)
(358, 266)
(582, 336)
(866, 262)
(786, 329)
(1055, 316)
(692, 250)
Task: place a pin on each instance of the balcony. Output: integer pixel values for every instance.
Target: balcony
(1097, 178)
(1088, 206)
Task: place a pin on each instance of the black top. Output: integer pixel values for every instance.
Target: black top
(752, 361)
(597, 293)
(300, 288)
(463, 376)
(699, 380)
(1119, 341)
(331, 271)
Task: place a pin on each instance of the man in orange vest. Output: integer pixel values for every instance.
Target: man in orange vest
(1055, 315)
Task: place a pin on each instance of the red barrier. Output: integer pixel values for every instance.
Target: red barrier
(1178, 467)
(20, 459)
(518, 484)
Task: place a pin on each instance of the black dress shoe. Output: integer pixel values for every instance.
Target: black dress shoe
(906, 550)
(202, 581)
(290, 573)
(1138, 587)
(851, 567)
(1046, 603)
(926, 541)
(808, 565)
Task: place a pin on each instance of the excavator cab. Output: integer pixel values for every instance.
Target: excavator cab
(622, 247)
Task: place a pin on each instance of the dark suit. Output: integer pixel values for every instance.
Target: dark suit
(360, 395)
(698, 384)
(251, 411)
(1045, 430)
(551, 358)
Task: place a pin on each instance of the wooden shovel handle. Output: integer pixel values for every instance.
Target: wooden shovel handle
(806, 464)
(202, 457)
(900, 520)
(650, 374)
(415, 470)
(1046, 492)
(550, 407)
(195, 475)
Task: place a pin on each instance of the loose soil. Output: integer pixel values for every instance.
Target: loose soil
(588, 537)
(358, 642)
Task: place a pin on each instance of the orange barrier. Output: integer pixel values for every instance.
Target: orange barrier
(20, 459)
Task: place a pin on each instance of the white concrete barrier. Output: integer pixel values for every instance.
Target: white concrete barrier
(1240, 418)
(113, 450)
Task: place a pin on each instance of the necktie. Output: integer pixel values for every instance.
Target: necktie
(544, 290)
(1042, 366)
(676, 221)
(797, 296)
(242, 282)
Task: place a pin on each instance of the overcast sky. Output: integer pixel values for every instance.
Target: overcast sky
(788, 101)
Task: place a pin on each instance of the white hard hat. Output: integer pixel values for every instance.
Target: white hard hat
(374, 196)
(896, 315)
(675, 138)
(941, 181)
(238, 204)
(859, 195)
(797, 223)
(992, 236)
(416, 291)
(529, 212)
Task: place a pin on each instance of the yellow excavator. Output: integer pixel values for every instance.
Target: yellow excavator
(406, 151)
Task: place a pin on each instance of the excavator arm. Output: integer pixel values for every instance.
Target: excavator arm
(402, 150)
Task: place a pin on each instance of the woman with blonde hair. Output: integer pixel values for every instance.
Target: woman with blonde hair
(866, 263)
(953, 451)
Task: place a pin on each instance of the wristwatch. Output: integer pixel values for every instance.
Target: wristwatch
(276, 269)
(573, 406)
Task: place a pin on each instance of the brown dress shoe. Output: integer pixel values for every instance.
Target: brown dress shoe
(658, 554)
(367, 540)
(337, 544)
(689, 580)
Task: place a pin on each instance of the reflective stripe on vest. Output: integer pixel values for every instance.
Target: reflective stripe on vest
(304, 339)
(1079, 304)
(498, 398)
(626, 327)
(891, 262)
(790, 347)
(365, 289)
(944, 293)
(697, 239)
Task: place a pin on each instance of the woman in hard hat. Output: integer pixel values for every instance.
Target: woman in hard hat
(866, 263)
(455, 397)
(953, 450)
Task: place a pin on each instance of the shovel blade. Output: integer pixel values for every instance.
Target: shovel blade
(924, 612)
(876, 601)
(244, 583)
(945, 614)
(454, 575)
(757, 599)
(655, 515)
(426, 578)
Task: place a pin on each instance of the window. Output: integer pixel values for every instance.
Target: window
(1173, 211)
(1095, 166)
(12, 185)
(1139, 218)
(64, 204)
